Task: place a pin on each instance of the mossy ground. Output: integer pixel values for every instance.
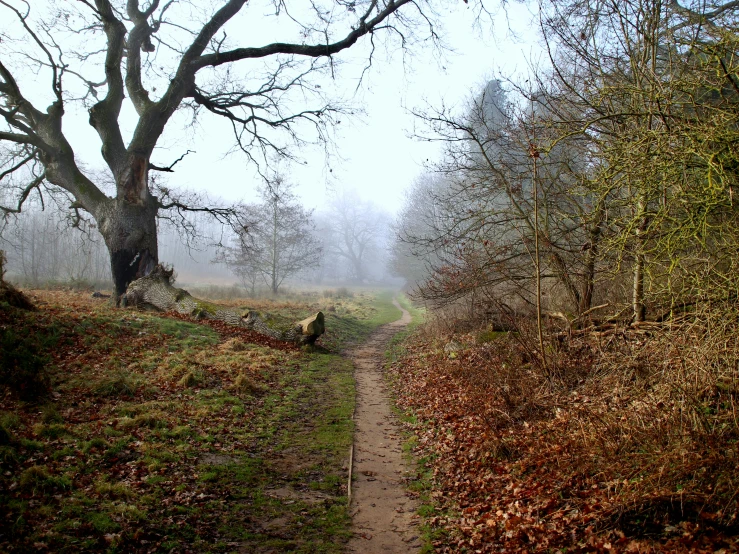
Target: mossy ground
(159, 434)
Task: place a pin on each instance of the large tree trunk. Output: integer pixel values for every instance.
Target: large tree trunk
(130, 233)
(156, 290)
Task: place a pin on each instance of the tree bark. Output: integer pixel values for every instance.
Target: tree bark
(639, 307)
(588, 280)
(130, 233)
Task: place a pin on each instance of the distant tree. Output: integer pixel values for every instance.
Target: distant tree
(42, 246)
(501, 217)
(278, 241)
(355, 231)
(245, 256)
(412, 253)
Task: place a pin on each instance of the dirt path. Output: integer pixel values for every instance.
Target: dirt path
(382, 513)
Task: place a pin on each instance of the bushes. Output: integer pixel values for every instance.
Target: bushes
(629, 431)
(22, 367)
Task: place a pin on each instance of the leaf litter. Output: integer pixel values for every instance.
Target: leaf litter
(513, 465)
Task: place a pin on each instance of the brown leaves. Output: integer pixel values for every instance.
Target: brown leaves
(520, 467)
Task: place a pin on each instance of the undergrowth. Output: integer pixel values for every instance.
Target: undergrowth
(628, 441)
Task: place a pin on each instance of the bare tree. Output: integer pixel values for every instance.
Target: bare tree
(412, 252)
(160, 58)
(489, 231)
(43, 247)
(354, 231)
(278, 243)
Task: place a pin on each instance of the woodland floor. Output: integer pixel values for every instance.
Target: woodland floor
(607, 462)
(160, 434)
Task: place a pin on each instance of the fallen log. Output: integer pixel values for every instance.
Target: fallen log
(156, 291)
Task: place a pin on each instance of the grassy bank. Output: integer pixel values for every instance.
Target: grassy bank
(150, 433)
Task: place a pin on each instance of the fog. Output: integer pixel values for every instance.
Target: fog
(46, 247)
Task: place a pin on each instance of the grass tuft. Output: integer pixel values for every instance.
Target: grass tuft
(37, 478)
(191, 379)
(245, 384)
(120, 384)
(53, 431)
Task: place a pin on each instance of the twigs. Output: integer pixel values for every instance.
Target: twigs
(170, 167)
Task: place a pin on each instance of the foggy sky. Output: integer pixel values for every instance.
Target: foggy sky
(374, 151)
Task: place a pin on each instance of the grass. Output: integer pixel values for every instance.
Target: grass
(396, 349)
(421, 485)
(160, 434)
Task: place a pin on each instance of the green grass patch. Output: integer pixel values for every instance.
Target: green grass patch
(120, 383)
(246, 454)
(395, 350)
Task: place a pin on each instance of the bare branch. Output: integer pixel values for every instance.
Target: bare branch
(34, 184)
(104, 114)
(139, 38)
(56, 83)
(20, 164)
(169, 168)
(363, 27)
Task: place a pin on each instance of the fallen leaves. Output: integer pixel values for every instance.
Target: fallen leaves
(520, 467)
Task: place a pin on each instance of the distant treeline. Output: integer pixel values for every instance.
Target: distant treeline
(45, 246)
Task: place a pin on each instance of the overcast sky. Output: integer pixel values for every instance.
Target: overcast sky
(375, 152)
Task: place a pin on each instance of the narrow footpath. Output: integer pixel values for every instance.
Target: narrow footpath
(382, 513)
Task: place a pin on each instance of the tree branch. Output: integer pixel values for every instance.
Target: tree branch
(138, 38)
(168, 168)
(34, 184)
(104, 114)
(316, 50)
(20, 164)
(56, 84)
(18, 103)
